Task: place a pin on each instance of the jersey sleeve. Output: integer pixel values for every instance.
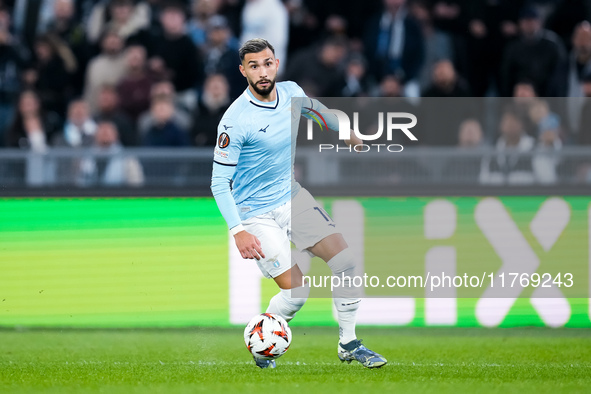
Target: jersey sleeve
(225, 158)
(315, 110)
(311, 108)
(229, 143)
(298, 91)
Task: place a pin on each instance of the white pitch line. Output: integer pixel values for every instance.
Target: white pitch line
(296, 363)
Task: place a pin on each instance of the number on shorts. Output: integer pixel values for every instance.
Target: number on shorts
(323, 213)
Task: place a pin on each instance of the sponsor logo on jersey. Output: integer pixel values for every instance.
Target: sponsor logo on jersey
(220, 153)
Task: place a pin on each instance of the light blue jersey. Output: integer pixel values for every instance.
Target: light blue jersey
(255, 151)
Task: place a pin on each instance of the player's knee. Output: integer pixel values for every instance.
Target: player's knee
(342, 263)
(343, 269)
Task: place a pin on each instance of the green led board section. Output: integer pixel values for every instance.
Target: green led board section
(164, 262)
(112, 262)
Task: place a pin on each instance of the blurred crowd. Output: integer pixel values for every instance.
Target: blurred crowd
(161, 73)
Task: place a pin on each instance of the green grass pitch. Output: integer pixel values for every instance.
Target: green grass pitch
(437, 360)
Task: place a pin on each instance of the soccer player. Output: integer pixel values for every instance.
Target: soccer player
(255, 190)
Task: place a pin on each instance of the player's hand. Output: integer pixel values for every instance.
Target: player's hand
(249, 245)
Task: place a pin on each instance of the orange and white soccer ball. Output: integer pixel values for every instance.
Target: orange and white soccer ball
(267, 336)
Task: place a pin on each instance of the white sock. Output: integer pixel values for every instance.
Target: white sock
(284, 305)
(346, 297)
(343, 267)
(347, 317)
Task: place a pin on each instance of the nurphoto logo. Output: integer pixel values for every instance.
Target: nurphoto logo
(392, 120)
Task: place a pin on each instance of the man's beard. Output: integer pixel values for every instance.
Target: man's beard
(263, 92)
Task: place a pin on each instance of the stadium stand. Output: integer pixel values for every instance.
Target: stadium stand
(161, 74)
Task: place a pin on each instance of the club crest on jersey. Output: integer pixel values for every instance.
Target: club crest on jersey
(224, 140)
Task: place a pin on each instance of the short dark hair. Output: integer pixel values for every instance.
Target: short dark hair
(255, 45)
(121, 3)
(174, 5)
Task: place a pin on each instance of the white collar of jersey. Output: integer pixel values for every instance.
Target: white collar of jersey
(262, 104)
